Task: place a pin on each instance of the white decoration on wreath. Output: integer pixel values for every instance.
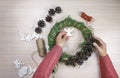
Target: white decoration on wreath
(69, 30)
(76, 39)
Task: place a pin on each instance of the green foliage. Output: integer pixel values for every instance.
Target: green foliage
(67, 22)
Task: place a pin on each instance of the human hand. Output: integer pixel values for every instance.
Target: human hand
(61, 39)
(100, 46)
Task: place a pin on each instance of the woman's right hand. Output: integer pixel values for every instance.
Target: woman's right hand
(100, 46)
(61, 39)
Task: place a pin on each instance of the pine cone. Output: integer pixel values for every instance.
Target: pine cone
(41, 23)
(38, 30)
(58, 10)
(51, 12)
(48, 18)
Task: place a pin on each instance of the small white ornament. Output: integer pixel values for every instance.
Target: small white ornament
(22, 35)
(17, 63)
(69, 30)
(28, 37)
(30, 70)
(23, 71)
(36, 36)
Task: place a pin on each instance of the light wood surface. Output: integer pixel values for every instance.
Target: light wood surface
(21, 15)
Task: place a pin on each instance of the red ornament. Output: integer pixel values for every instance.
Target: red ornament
(86, 17)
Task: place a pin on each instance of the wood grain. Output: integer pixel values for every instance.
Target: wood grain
(21, 15)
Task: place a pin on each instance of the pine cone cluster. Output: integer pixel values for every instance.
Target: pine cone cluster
(41, 24)
(48, 18)
(82, 55)
(52, 12)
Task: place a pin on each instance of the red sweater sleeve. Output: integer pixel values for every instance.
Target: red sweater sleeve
(44, 70)
(106, 67)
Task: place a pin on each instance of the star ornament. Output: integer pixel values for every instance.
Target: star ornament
(69, 30)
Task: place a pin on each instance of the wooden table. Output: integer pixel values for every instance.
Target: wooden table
(21, 15)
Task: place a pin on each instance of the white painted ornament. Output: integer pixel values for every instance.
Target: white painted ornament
(17, 63)
(30, 70)
(69, 30)
(28, 37)
(23, 69)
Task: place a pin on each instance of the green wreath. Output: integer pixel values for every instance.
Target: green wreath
(86, 46)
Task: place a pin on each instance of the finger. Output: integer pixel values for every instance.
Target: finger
(65, 37)
(100, 40)
(96, 46)
(61, 34)
(63, 31)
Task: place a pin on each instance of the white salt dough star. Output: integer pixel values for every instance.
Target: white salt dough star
(17, 63)
(28, 37)
(69, 31)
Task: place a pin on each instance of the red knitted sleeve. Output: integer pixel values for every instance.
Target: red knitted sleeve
(44, 70)
(107, 68)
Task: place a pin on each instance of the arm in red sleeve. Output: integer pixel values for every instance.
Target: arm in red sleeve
(106, 67)
(45, 68)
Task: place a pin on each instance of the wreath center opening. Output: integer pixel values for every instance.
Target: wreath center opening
(74, 41)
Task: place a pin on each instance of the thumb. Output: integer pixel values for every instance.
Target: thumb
(96, 46)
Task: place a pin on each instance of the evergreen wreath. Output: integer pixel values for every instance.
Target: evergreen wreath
(86, 46)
